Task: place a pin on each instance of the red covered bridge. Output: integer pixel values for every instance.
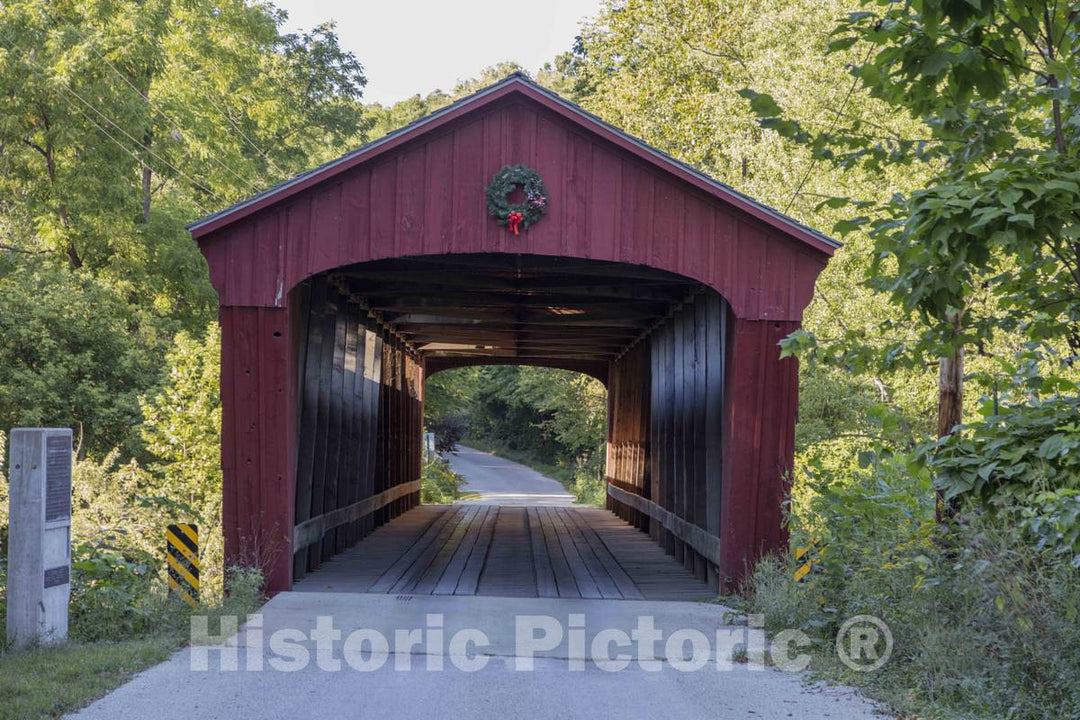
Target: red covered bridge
(343, 288)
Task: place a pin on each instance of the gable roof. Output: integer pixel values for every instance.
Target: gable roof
(520, 84)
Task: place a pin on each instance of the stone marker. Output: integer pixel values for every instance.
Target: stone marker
(39, 536)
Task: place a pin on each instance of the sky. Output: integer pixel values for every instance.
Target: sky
(416, 46)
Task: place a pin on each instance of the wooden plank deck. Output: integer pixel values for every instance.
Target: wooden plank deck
(508, 551)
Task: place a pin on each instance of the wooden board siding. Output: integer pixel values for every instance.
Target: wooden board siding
(427, 198)
(257, 457)
(666, 436)
(759, 442)
(355, 390)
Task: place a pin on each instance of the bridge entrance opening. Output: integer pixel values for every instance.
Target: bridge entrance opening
(369, 333)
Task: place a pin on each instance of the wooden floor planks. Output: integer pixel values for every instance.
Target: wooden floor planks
(508, 551)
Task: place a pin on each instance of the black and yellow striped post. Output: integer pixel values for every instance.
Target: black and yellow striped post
(182, 542)
(807, 558)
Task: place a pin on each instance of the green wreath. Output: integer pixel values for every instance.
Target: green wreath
(517, 216)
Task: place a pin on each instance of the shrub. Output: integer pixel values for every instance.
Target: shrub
(110, 594)
(985, 621)
(439, 484)
(182, 427)
(589, 486)
(1021, 462)
(1012, 453)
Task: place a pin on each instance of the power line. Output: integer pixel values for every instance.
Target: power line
(127, 150)
(172, 121)
(251, 142)
(67, 87)
(832, 126)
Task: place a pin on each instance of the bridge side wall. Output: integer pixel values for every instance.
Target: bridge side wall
(257, 439)
(359, 419)
(321, 412)
(702, 427)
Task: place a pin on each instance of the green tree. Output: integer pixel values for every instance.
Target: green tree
(76, 353)
(119, 123)
(182, 429)
(182, 421)
(989, 245)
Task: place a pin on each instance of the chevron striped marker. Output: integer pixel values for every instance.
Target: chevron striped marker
(183, 557)
(807, 558)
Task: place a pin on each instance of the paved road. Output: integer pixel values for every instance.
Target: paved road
(502, 482)
(421, 673)
(564, 680)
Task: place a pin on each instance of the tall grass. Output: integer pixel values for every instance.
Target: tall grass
(984, 625)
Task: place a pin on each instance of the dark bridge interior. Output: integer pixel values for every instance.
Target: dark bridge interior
(455, 310)
(368, 334)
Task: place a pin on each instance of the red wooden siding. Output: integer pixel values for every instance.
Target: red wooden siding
(257, 503)
(428, 198)
(759, 441)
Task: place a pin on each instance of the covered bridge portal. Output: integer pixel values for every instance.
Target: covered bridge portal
(343, 288)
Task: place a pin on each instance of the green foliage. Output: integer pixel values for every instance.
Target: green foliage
(1013, 454)
(983, 625)
(984, 619)
(990, 244)
(589, 486)
(1022, 463)
(182, 428)
(552, 420)
(387, 119)
(109, 594)
(75, 353)
(1053, 519)
(119, 123)
(505, 181)
(439, 484)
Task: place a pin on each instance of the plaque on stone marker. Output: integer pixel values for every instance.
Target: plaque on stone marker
(57, 576)
(57, 478)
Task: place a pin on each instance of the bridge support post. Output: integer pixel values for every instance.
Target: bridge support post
(258, 433)
(760, 402)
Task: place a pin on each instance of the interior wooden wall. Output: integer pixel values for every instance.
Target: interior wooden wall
(666, 400)
(359, 420)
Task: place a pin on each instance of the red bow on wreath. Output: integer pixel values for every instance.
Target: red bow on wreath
(514, 220)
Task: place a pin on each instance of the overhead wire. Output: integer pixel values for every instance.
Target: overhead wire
(66, 86)
(173, 122)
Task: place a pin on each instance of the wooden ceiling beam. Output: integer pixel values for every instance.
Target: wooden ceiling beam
(420, 331)
(508, 341)
(606, 295)
(611, 308)
(375, 283)
(568, 326)
(520, 355)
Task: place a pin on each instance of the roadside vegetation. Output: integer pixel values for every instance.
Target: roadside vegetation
(110, 641)
(554, 421)
(439, 484)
